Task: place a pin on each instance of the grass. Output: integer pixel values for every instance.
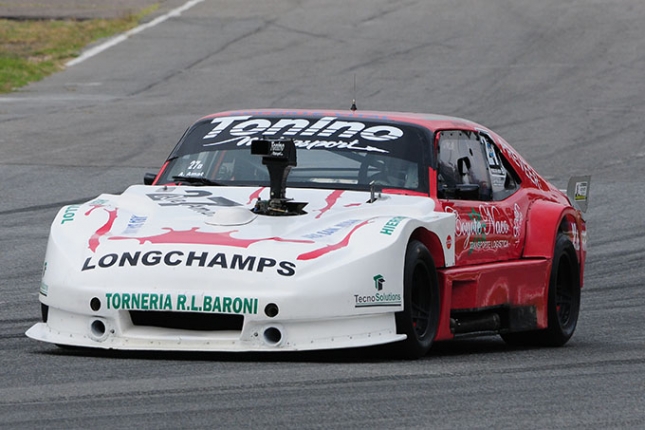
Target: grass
(33, 49)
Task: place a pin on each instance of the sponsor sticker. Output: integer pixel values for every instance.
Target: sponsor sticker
(330, 231)
(378, 282)
(182, 303)
(391, 225)
(487, 228)
(379, 298)
(134, 224)
(240, 127)
(580, 191)
(70, 213)
(200, 201)
(218, 260)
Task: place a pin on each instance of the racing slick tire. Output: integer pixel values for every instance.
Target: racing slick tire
(563, 303)
(420, 315)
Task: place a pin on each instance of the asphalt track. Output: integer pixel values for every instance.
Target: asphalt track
(561, 80)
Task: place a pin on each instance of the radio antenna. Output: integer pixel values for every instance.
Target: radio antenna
(353, 107)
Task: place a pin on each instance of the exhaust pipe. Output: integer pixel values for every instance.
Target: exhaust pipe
(485, 322)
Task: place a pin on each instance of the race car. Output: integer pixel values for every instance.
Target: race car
(296, 230)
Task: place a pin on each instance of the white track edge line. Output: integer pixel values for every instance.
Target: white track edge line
(124, 36)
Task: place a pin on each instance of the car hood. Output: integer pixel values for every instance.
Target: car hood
(175, 227)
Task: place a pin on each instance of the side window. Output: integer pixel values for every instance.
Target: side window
(504, 180)
(463, 167)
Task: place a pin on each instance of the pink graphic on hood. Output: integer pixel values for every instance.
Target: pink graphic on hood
(94, 241)
(256, 195)
(331, 201)
(329, 248)
(193, 236)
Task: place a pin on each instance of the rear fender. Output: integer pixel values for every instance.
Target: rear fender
(545, 221)
(575, 228)
(542, 226)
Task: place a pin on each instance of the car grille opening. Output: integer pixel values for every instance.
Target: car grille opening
(188, 320)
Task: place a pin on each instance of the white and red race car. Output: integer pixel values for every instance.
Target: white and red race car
(291, 230)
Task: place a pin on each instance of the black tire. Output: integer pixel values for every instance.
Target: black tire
(563, 304)
(420, 315)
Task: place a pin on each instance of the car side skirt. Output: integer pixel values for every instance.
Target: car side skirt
(519, 287)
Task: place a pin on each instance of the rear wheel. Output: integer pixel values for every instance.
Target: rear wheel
(420, 315)
(563, 304)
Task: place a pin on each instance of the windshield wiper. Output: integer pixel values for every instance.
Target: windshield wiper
(196, 180)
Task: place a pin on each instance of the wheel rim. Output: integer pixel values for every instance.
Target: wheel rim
(420, 300)
(564, 291)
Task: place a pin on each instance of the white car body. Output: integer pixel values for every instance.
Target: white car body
(334, 275)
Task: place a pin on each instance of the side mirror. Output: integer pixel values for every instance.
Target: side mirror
(149, 178)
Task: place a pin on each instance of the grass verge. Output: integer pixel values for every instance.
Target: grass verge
(33, 49)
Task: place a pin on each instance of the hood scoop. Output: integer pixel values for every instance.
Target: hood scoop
(234, 215)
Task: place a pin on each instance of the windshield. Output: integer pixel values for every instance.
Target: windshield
(331, 153)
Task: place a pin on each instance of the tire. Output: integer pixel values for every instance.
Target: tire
(420, 315)
(563, 304)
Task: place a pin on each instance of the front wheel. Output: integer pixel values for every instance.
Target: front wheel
(420, 315)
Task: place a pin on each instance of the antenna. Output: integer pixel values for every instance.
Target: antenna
(353, 107)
